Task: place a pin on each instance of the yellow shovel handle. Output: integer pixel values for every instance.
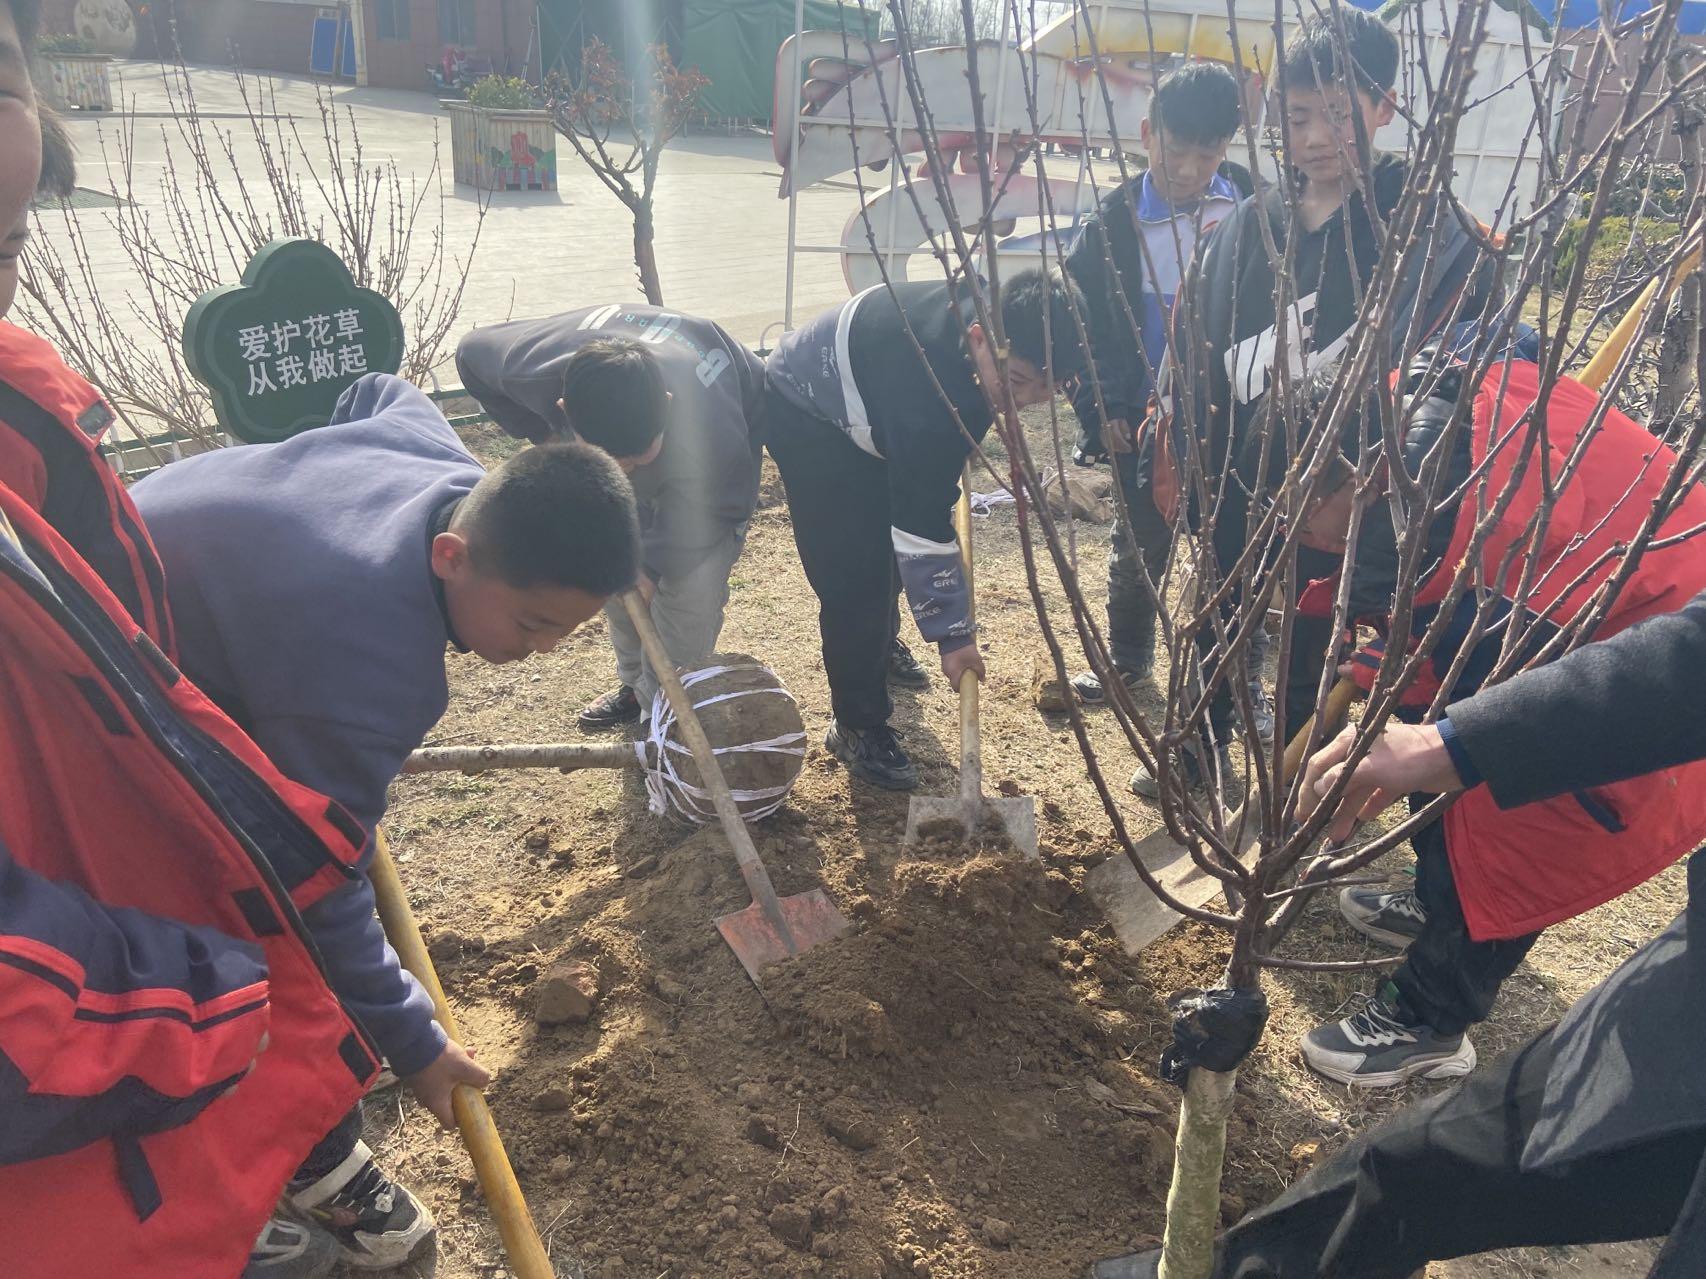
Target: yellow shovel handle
(479, 1133)
(1604, 360)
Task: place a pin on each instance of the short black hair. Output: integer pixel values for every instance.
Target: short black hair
(614, 396)
(1026, 299)
(1312, 55)
(58, 157)
(558, 514)
(1197, 104)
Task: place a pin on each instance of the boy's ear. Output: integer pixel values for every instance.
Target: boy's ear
(1144, 134)
(449, 555)
(1385, 108)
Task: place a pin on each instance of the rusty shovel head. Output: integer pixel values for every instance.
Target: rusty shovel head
(758, 939)
(1015, 818)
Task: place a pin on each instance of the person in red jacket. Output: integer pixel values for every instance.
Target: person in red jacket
(1487, 879)
(165, 1027)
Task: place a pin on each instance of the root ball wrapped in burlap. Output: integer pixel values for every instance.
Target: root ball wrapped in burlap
(755, 728)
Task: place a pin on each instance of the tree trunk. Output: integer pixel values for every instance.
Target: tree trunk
(1679, 344)
(645, 255)
(1678, 349)
(1193, 1200)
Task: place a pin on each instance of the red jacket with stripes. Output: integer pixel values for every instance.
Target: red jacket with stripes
(145, 945)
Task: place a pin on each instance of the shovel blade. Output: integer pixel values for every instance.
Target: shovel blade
(1137, 915)
(1017, 818)
(810, 918)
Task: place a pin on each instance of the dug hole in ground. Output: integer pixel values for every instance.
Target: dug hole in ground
(962, 1086)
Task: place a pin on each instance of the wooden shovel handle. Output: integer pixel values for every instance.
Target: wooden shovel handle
(527, 1256)
(710, 772)
(1339, 699)
(971, 749)
(566, 757)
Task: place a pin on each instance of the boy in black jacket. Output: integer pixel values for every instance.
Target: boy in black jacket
(1129, 260)
(1330, 230)
(871, 454)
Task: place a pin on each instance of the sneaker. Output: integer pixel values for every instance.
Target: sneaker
(1089, 688)
(1378, 1048)
(291, 1250)
(611, 711)
(1262, 711)
(375, 1221)
(904, 668)
(1395, 918)
(873, 755)
(1146, 785)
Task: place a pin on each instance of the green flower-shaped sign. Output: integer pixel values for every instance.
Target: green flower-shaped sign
(279, 349)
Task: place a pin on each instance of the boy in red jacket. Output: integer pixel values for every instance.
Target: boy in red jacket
(1488, 880)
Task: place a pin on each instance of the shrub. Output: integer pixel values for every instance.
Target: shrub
(49, 45)
(503, 93)
(1619, 243)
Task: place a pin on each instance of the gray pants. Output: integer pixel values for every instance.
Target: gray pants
(688, 614)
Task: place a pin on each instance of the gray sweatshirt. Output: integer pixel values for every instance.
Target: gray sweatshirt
(705, 480)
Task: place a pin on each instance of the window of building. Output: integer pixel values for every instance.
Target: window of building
(456, 23)
(393, 19)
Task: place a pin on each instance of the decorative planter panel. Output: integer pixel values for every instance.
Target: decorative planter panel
(79, 81)
(502, 150)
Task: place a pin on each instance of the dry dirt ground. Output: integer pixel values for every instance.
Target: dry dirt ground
(963, 1086)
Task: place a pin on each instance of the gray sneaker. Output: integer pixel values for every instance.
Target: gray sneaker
(1395, 918)
(1089, 688)
(1146, 785)
(1377, 1048)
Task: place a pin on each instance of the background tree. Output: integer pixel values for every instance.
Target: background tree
(620, 128)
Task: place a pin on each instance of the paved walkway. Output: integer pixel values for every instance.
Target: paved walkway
(721, 230)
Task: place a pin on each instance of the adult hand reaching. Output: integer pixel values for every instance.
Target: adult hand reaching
(1408, 758)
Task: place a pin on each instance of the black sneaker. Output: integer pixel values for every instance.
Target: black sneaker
(873, 755)
(1395, 918)
(611, 711)
(1146, 785)
(1378, 1048)
(904, 668)
(1089, 688)
(376, 1223)
(291, 1250)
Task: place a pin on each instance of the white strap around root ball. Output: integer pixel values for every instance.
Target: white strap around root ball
(667, 789)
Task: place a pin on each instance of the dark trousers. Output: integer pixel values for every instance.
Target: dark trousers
(1140, 544)
(332, 1150)
(1448, 980)
(1443, 1179)
(1310, 636)
(838, 501)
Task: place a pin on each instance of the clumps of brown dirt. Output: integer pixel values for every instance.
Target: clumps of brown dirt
(947, 837)
(956, 942)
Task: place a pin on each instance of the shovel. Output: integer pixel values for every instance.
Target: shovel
(1137, 915)
(772, 928)
(1017, 817)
